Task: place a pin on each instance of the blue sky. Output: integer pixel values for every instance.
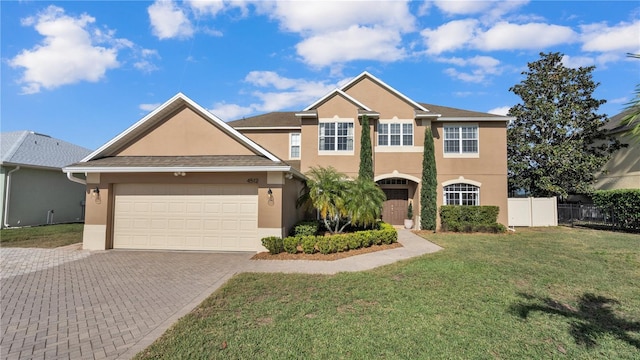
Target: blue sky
(84, 71)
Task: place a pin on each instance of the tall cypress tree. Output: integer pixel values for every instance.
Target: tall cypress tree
(366, 159)
(428, 192)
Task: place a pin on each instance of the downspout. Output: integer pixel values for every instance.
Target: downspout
(75, 179)
(8, 197)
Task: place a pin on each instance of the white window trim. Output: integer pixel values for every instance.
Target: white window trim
(444, 194)
(337, 119)
(460, 154)
(395, 120)
(291, 157)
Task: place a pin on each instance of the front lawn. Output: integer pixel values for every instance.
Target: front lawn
(49, 236)
(538, 293)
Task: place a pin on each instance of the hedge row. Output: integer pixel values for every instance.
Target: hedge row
(622, 205)
(310, 244)
(470, 219)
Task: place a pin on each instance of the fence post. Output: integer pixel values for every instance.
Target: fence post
(571, 211)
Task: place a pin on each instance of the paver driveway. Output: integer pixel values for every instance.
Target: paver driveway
(59, 304)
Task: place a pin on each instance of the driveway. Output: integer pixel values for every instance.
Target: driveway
(73, 304)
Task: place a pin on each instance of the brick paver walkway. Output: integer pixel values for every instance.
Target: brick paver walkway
(72, 304)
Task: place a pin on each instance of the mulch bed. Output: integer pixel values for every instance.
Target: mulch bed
(328, 257)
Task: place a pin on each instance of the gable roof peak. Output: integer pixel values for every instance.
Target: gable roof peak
(366, 74)
(333, 93)
(159, 113)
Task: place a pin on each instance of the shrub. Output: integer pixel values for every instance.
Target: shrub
(273, 244)
(622, 205)
(290, 244)
(470, 218)
(340, 242)
(325, 245)
(355, 240)
(305, 228)
(308, 244)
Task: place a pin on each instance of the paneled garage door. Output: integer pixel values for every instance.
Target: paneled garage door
(186, 217)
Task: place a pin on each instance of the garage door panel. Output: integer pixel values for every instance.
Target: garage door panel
(186, 217)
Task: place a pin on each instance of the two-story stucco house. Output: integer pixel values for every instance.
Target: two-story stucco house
(181, 178)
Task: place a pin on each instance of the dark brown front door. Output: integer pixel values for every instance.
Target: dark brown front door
(394, 210)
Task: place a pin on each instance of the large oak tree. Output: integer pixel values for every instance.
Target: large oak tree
(556, 142)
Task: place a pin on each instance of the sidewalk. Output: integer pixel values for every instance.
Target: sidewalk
(412, 246)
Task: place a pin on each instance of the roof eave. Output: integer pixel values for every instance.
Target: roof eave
(171, 169)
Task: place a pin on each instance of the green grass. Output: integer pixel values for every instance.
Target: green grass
(49, 236)
(539, 293)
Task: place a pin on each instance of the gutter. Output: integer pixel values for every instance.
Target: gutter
(75, 179)
(8, 197)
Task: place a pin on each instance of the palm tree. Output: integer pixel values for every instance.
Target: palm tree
(364, 202)
(341, 201)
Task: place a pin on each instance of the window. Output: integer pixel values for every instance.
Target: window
(461, 194)
(395, 134)
(392, 181)
(336, 136)
(461, 139)
(294, 146)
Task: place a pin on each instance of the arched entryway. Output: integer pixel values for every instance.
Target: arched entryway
(400, 190)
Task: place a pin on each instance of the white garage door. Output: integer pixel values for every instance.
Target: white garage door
(186, 217)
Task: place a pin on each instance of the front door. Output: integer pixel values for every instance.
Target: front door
(394, 210)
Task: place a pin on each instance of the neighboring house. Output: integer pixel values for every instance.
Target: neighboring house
(34, 189)
(181, 178)
(623, 170)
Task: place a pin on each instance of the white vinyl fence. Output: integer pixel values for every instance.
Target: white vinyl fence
(533, 211)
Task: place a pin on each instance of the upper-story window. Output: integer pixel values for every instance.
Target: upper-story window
(461, 139)
(395, 134)
(335, 136)
(294, 146)
(461, 194)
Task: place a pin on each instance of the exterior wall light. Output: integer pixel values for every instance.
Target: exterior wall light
(270, 194)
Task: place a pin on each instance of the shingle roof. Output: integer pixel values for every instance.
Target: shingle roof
(446, 112)
(29, 148)
(204, 161)
(273, 119)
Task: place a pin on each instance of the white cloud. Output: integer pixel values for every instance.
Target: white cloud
(624, 37)
(482, 66)
(575, 62)
(274, 93)
(502, 110)
(291, 92)
(149, 107)
(169, 21)
(316, 17)
(508, 36)
(488, 10)
(228, 112)
(68, 54)
(355, 43)
(450, 36)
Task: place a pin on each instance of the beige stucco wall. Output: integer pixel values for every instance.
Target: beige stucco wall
(185, 133)
(623, 170)
(379, 99)
(275, 141)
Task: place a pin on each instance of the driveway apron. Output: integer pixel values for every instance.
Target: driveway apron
(73, 304)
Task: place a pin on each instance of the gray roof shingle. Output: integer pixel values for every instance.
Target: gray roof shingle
(29, 148)
(203, 161)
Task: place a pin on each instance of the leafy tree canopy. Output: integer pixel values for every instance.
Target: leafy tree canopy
(556, 142)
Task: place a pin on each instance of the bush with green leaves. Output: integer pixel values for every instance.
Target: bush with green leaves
(458, 218)
(622, 205)
(290, 244)
(308, 244)
(304, 228)
(325, 245)
(273, 244)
